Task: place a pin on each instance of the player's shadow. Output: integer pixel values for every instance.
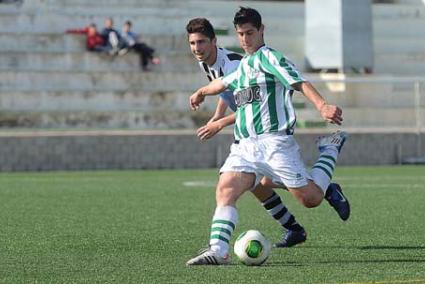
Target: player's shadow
(348, 261)
(377, 247)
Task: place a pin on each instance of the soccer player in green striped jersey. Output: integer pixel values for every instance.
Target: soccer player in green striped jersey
(263, 85)
(215, 62)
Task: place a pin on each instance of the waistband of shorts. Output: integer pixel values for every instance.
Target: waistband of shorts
(265, 136)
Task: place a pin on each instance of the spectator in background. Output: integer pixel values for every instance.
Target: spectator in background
(94, 41)
(145, 52)
(112, 37)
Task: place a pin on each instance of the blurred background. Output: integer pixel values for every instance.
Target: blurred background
(62, 107)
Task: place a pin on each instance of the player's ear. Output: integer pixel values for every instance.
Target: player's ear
(262, 28)
(214, 41)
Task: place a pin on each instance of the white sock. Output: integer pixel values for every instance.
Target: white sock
(323, 169)
(223, 224)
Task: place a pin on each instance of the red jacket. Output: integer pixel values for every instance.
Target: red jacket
(91, 41)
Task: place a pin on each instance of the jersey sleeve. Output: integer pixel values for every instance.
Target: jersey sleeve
(229, 99)
(284, 70)
(230, 80)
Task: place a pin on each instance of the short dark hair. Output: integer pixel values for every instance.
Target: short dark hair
(202, 26)
(247, 15)
(128, 23)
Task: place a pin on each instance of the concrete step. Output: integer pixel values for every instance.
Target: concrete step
(46, 53)
(167, 7)
(367, 91)
(100, 81)
(156, 19)
(60, 42)
(172, 119)
(91, 62)
(371, 117)
(411, 63)
(137, 100)
(381, 118)
(212, 7)
(310, 124)
(391, 45)
(102, 119)
(278, 16)
(412, 28)
(411, 2)
(360, 94)
(153, 24)
(385, 49)
(398, 11)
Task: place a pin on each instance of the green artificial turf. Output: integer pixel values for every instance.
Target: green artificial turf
(142, 226)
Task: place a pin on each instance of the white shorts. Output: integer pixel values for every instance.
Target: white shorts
(275, 156)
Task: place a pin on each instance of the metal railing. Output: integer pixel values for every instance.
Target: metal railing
(376, 101)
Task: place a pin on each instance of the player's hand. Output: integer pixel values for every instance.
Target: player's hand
(331, 114)
(196, 99)
(209, 130)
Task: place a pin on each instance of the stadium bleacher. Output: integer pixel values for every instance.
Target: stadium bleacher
(52, 70)
(51, 87)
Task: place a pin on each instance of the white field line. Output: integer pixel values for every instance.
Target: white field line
(200, 183)
(383, 178)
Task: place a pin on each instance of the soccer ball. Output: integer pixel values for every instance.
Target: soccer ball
(252, 248)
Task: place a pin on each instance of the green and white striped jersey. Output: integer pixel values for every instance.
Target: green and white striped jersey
(262, 86)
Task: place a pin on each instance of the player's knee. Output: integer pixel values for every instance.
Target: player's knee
(225, 196)
(311, 201)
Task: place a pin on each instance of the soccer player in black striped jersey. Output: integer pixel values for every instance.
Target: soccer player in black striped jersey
(216, 62)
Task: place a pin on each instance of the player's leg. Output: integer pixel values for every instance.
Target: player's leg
(230, 187)
(322, 172)
(309, 195)
(283, 164)
(294, 233)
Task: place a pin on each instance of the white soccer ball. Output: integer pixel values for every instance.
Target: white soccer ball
(252, 248)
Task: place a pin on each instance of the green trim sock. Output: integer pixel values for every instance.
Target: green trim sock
(323, 169)
(223, 224)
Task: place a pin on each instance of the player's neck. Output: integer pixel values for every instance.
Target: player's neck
(212, 58)
(258, 48)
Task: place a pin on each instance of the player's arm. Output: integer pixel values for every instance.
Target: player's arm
(207, 131)
(213, 88)
(220, 111)
(77, 31)
(330, 113)
(288, 75)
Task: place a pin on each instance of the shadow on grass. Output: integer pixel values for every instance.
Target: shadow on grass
(348, 261)
(392, 247)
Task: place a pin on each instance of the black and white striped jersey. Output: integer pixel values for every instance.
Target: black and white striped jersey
(227, 61)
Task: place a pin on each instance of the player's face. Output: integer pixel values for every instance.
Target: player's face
(92, 31)
(126, 28)
(108, 23)
(202, 47)
(249, 37)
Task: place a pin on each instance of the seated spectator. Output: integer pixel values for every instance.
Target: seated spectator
(94, 41)
(145, 52)
(112, 37)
